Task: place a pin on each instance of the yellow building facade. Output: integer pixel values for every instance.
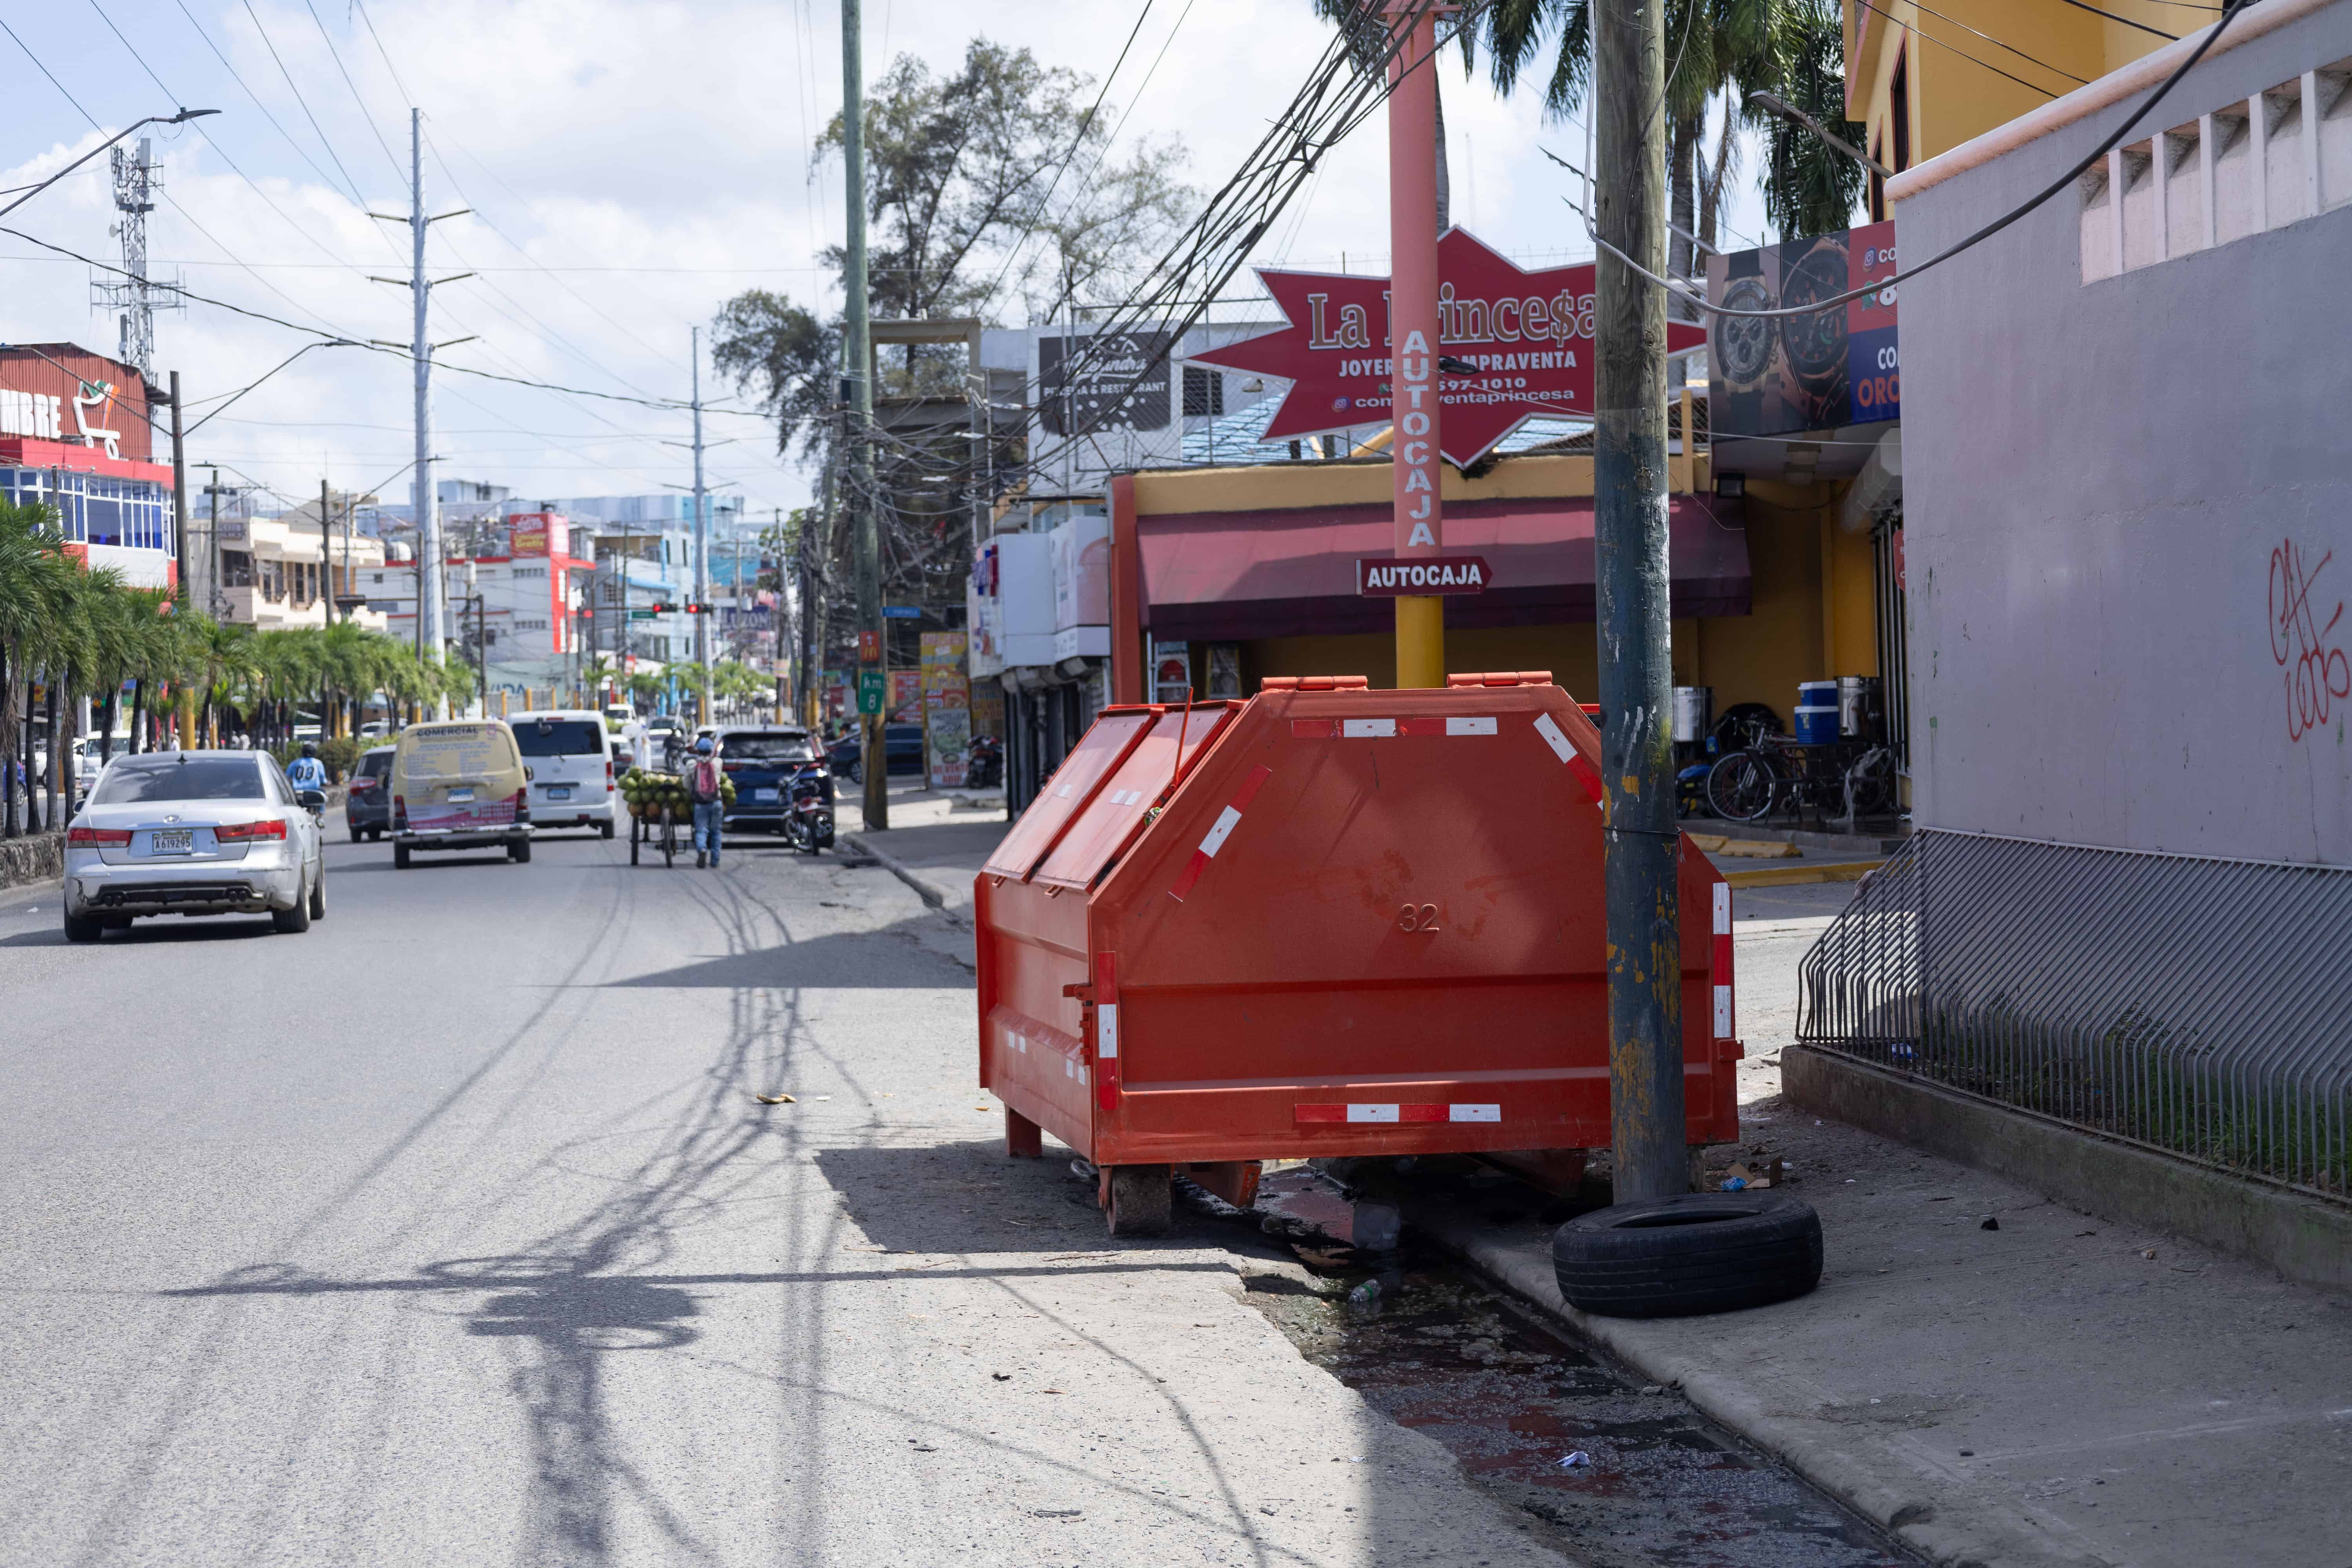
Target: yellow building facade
(1924, 80)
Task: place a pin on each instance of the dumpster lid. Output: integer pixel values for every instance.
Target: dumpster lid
(1114, 814)
(1100, 750)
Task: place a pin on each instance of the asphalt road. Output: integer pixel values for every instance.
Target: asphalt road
(451, 1232)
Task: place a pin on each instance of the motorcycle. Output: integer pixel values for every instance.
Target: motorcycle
(808, 826)
(984, 764)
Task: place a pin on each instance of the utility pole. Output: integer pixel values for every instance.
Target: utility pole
(432, 588)
(781, 662)
(1418, 471)
(219, 599)
(326, 556)
(701, 547)
(858, 389)
(1641, 842)
(180, 497)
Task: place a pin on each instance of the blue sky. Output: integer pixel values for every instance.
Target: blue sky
(631, 166)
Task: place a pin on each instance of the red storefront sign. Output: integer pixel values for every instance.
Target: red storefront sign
(1392, 579)
(1527, 333)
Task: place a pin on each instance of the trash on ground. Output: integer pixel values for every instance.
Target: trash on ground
(1001, 1376)
(1367, 1294)
(2148, 1253)
(775, 1100)
(1580, 1460)
(1654, 1388)
(1056, 1512)
(1734, 1183)
(1991, 1222)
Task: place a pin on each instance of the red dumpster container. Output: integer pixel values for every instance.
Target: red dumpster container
(1326, 921)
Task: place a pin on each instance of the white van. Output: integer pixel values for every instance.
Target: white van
(571, 768)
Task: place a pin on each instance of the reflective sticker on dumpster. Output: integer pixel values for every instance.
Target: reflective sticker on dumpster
(1227, 820)
(1722, 961)
(1471, 726)
(1408, 1111)
(1366, 729)
(1557, 739)
(1107, 1031)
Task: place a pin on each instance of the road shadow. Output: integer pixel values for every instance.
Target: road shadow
(847, 960)
(965, 1196)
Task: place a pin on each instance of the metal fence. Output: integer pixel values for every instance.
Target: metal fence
(2199, 1007)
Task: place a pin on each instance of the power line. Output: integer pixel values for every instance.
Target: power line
(357, 200)
(2126, 21)
(336, 55)
(1914, 29)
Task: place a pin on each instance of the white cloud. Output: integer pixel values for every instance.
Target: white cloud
(654, 156)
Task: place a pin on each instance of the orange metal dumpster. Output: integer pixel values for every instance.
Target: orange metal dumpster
(1327, 920)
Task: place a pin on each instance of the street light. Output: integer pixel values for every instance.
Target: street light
(179, 118)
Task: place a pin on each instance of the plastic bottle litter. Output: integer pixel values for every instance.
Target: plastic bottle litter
(1580, 1460)
(1368, 1294)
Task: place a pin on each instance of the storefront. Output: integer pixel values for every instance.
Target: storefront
(74, 436)
(1251, 573)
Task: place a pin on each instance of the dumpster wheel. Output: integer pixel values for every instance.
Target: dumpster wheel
(1138, 1200)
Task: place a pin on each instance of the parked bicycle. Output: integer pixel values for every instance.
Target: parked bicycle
(1772, 774)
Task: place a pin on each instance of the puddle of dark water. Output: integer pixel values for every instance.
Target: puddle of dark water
(1510, 1395)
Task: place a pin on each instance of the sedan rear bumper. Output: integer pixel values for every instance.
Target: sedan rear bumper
(215, 887)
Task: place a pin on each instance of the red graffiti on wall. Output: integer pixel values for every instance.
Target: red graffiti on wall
(2317, 672)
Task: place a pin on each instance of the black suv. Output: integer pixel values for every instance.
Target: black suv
(761, 763)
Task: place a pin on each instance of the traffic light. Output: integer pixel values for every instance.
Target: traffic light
(692, 609)
(663, 608)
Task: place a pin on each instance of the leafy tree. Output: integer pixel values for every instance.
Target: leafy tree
(1811, 188)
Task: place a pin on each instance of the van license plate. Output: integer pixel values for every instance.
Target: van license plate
(761, 794)
(461, 797)
(558, 792)
(174, 841)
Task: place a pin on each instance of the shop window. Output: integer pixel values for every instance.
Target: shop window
(236, 569)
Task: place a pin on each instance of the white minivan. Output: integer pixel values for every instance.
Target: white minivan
(571, 768)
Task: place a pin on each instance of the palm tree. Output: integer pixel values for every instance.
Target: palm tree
(1710, 46)
(32, 566)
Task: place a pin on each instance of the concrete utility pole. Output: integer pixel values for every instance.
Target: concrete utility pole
(326, 554)
(1642, 843)
(219, 599)
(1418, 470)
(857, 388)
(432, 586)
(701, 546)
(180, 496)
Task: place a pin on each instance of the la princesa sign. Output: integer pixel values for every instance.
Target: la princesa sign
(1528, 334)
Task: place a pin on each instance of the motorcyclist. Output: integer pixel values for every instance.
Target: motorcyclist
(704, 790)
(307, 771)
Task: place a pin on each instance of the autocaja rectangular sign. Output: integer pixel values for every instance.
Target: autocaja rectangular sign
(1389, 579)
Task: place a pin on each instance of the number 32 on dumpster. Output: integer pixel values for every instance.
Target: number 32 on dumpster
(1417, 917)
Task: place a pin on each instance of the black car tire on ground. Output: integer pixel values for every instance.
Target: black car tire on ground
(399, 856)
(608, 828)
(319, 895)
(519, 851)
(1700, 1252)
(293, 921)
(84, 928)
(1142, 1200)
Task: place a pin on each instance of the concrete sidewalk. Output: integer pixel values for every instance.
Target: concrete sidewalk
(2058, 1391)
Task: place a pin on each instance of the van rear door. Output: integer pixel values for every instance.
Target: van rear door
(567, 758)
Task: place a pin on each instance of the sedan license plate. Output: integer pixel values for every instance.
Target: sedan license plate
(761, 793)
(461, 797)
(558, 792)
(172, 841)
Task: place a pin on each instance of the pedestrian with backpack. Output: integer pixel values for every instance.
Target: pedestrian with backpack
(705, 790)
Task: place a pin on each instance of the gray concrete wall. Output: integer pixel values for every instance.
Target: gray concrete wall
(2099, 478)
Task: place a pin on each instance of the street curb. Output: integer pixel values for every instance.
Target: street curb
(2306, 1240)
(32, 859)
(930, 892)
(1946, 1535)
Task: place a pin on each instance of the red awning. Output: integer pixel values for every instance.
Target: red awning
(1225, 576)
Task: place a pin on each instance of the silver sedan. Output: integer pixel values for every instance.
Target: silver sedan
(195, 833)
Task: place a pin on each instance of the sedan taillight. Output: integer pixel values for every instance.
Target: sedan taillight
(99, 837)
(246, 832)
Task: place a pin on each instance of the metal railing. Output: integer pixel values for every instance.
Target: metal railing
(2199, 1006)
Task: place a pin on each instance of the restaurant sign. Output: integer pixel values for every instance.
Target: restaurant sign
(1520, 342)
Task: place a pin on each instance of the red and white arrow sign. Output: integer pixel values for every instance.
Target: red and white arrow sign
(1528, 333)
